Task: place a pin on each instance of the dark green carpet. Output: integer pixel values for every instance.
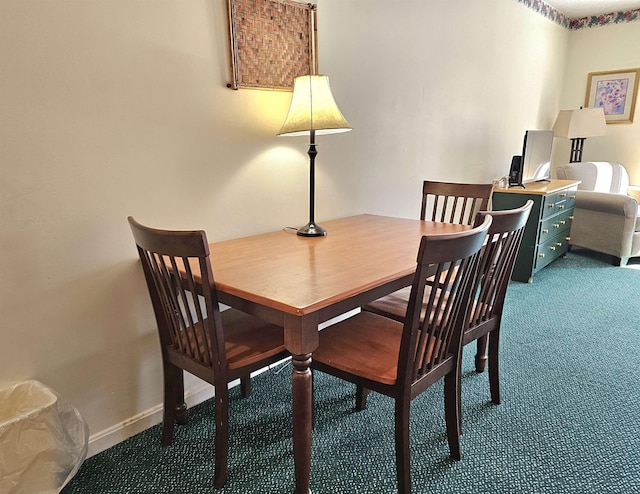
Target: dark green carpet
(569, 421)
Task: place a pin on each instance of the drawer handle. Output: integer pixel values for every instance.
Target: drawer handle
(552, 247)
(545, 231)
(552, 205)
(563, 195)
(541, 254)
(559, 244)
(555, 225)
(571, 217)
(561, 206)
(563, 222)
(567, 238)
(572, 197)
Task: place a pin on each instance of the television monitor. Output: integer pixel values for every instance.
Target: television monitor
(534, 165)
(536, 155)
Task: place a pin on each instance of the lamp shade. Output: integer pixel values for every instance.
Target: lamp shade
(313, 108)
(585, 122)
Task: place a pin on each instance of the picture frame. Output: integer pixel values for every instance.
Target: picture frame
(615, 91)
(272, 42)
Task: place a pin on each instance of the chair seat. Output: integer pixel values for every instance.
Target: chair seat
(247, 339)
(367, 345)
(394, 306)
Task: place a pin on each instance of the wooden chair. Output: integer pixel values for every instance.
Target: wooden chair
(195, 336)
(402, 360)
(454, 202)
(496, 266)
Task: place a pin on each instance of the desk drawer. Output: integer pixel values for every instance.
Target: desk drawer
(569, 197)
(558, 202)
(555, 225)
(551, 250)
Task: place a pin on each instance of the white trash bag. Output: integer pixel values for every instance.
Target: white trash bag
(43, 440)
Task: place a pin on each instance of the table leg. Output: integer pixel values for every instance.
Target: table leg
(302, 420)
(301, 338)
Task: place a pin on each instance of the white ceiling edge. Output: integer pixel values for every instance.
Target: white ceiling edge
(576, 9)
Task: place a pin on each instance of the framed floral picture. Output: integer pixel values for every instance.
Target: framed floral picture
(614, 91)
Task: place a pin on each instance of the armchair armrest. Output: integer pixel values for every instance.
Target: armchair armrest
(605, 202)
(606, 223)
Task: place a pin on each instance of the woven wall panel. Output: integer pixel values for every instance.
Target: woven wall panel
(272, 42)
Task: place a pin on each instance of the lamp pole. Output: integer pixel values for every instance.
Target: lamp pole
(311, 229)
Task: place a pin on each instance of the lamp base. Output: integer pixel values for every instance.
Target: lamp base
(311, 230)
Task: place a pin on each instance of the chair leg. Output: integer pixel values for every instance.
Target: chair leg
(174, 409)
(452, 406)
(620, 261)
(494, 372)
(481, 354)
(361, 397)
(181, 406)
(245, 386)
(403, 465)
(222, 434)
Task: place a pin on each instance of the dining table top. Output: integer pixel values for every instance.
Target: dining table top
(300, 275)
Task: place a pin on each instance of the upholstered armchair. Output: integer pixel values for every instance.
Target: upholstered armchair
(606, 214)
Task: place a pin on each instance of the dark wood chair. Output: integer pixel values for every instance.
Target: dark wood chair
(485, 316)
(195, 336)
(449, 202)
(403, 360)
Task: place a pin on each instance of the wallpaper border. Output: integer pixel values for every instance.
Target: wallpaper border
(558, 17)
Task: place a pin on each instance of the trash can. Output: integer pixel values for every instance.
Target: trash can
(43, 440)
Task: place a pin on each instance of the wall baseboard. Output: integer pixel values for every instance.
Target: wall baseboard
(117, 433)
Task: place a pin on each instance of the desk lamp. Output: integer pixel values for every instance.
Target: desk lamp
(313, 111)
(577, 125)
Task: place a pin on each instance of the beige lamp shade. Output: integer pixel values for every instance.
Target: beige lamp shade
(313, 108)
(585, 122)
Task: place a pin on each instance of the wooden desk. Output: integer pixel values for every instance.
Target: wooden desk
(299, 282)
(546, 236)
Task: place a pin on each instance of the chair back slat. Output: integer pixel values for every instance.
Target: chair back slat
(188, 317)
(498, 259)
(450, 202)
(454, 259)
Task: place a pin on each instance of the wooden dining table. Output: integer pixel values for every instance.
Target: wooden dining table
(300, 282)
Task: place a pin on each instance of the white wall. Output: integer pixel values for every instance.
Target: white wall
(440, 90)
(614, 47)
(112, 108)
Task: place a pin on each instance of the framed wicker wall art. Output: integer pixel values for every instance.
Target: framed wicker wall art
(272, 42)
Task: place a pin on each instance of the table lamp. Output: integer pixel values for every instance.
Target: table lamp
(313, 111)
(577, 125)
